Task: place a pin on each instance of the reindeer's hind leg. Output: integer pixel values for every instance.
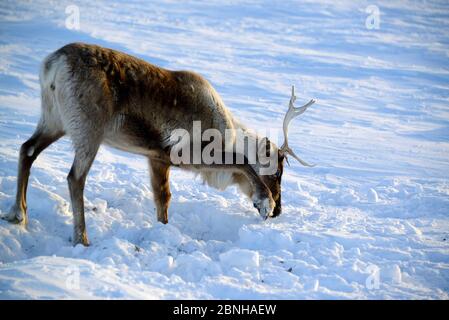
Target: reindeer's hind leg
(29, 151)
(84, 156)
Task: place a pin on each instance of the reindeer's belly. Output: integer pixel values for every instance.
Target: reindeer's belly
(126, 145)
(132, 135)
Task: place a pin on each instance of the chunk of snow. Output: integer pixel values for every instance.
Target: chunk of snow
(372, 196)
(240, 258)
(392, 273)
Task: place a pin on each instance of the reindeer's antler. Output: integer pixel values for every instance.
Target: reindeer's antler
(292, 113)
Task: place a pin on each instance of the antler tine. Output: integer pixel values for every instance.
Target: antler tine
(290, 152)
(292, 113)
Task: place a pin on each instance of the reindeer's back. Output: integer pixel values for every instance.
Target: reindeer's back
(107, 85)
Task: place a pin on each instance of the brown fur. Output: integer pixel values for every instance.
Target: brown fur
(98, 95)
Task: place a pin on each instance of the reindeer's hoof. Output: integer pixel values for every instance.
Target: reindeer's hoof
(163, 220)
(83, 242)
(16, 216)
(265, 207)
(80, 239)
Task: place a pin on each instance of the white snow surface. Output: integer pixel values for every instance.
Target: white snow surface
(370, 221)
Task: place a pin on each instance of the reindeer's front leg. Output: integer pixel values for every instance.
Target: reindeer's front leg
(160, 172)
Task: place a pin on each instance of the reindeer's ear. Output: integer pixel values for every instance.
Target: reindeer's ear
(286, 160)
(281, 155)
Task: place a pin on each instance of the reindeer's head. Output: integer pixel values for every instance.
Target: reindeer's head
(273, 182)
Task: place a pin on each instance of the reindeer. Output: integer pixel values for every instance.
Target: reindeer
(97, 95)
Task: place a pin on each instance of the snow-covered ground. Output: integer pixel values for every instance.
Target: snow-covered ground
(371, 220)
